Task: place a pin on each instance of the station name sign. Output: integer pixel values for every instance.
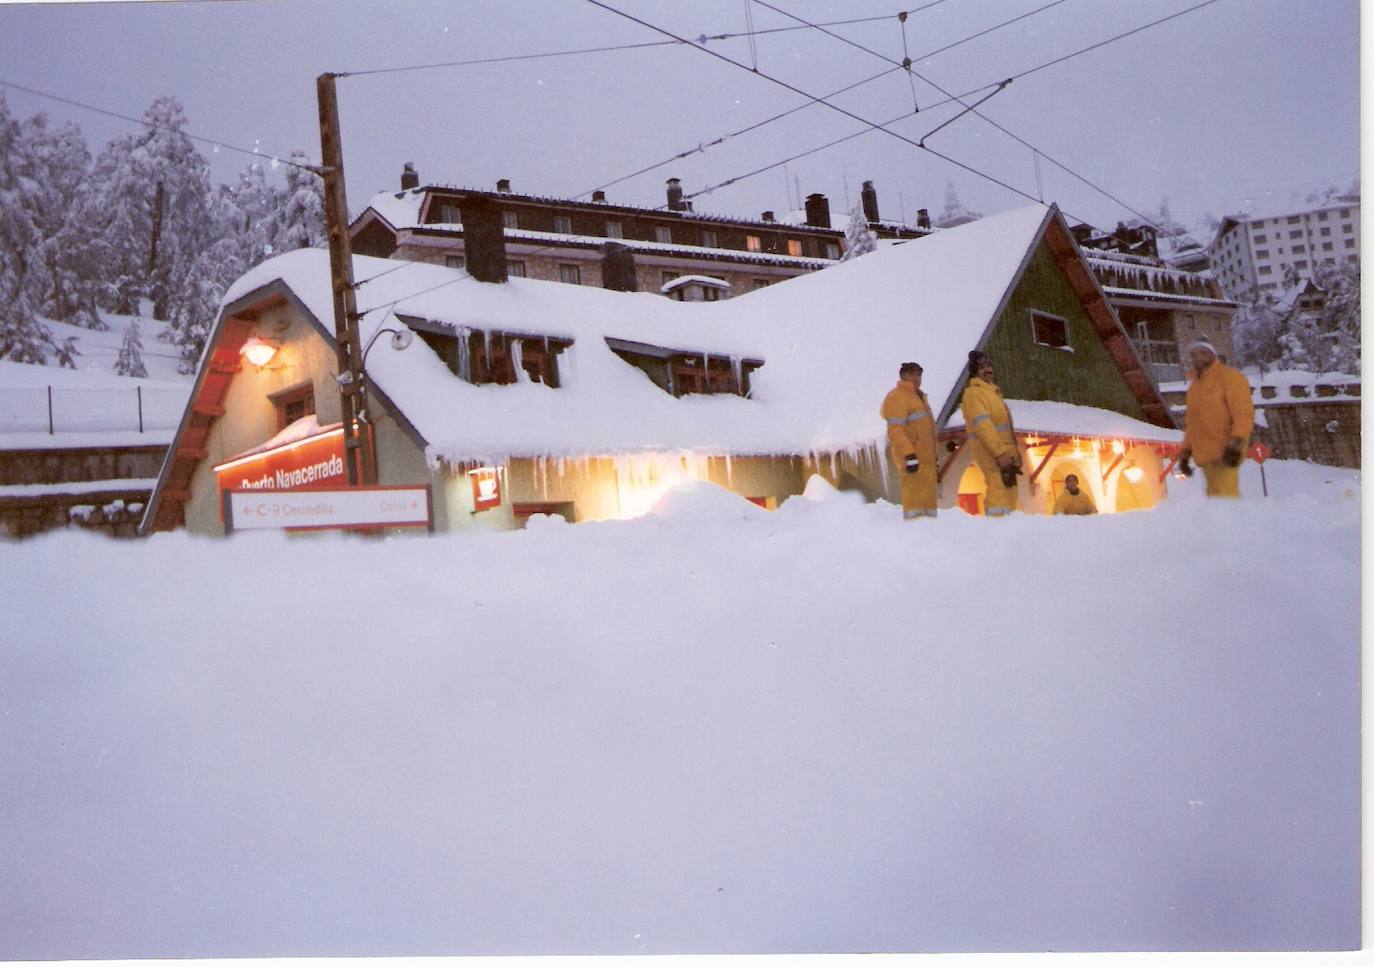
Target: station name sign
(310, 463)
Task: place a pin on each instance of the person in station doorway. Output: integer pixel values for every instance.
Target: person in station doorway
(987, 421)
(1220, 418)
(1072, 500)
(911, 438)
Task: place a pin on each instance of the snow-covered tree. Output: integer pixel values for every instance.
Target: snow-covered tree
(153, 187)
(23, 337)
(130, 361)
(302, 212)
(858, 237)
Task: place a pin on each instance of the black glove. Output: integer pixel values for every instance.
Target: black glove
(1009, 475)
(1184, 466)
(912, 464)
(1232, 454)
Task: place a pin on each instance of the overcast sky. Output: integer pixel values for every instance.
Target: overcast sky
(1240, 104)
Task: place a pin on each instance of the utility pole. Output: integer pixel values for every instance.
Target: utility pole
(359, 460)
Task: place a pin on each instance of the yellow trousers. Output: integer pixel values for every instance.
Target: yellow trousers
(1000, 499)
(1222, 481)
(918, 491)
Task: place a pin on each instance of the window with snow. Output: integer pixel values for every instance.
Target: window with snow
(1050, 330)
(662, 233)
(450, 214)
(482, 357)
(709, 239)
(562, 224)
(832, 251)
(293, 403)
(515, 268)
(455, 261)
(753, 243)
(694, 373)
(794, 247)
(615, 230)
(570, 274)
(510, 219)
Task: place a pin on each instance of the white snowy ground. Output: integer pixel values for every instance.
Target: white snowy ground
(715, 729)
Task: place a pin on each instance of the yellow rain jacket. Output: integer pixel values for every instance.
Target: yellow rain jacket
(987, 419)
(1079, 503)
(910, 425)
(1219, 408)
(911, 431)
(988, 424)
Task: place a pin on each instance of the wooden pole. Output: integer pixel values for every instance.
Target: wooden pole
(359, 462)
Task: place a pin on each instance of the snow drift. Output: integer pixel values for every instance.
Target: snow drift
(813, 730)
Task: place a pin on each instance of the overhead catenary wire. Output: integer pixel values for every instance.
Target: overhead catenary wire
(276, 159)
(702, 146)
(820, 100)
(972, 108)
(611, 48)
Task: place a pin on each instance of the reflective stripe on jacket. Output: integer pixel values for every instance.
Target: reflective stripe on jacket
(987, 419)
(910, 425)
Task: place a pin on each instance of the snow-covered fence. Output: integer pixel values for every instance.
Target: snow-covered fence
(57, 409)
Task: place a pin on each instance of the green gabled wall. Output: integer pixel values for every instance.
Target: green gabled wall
(1028, 371)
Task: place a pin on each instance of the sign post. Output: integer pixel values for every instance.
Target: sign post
(1259, 452)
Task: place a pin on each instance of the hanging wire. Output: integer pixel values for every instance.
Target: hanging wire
(276, 159)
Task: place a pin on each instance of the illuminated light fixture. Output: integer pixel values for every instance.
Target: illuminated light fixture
(257, 351)
(1133, 474)
(1118, 447)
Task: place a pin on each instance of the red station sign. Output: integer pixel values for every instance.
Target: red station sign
(312, 463)
(1259, 452)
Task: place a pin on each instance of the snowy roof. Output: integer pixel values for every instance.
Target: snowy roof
(1068, 419)
(401, 209)
(1343, 201)
(684, 280)
(816, 391)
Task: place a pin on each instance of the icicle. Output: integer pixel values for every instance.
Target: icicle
(833, 472)
(737, 374)
(729, 473)
(560, 468)
(464, 354)
(517, 360)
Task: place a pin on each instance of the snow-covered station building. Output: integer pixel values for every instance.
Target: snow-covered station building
(590, 403)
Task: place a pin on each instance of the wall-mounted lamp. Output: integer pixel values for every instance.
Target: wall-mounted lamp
(257, 351)
(1133, 474)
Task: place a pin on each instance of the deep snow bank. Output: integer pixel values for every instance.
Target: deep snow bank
(818, 729)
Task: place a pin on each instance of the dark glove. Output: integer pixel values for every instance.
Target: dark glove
(1009, 475)
(1185, 467)
(912, 464)
(1231, 456)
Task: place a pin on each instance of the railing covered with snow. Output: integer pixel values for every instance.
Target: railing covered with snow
(56, 410)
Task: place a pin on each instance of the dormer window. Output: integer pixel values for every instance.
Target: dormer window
(684, 372)
(482, 357)
(562, 224)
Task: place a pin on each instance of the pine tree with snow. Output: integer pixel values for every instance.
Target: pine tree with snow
(302, 214)
(130, 361)
(23, 337)
(858, 237)
(66, 353)
(153, 186)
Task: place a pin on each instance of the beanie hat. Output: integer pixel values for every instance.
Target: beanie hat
(976, 359)
(1203, 344)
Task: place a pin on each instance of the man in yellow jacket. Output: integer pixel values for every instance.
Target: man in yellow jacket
(1071, 500)
(1219, 421)
(911, 437)
(987, 421)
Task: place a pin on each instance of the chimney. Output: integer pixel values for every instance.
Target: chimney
(922, 218)
(599, 196)
(870, 201)
(618, 268)
(484, 239)
(817, 210)
(767, 217)
(410, 178)
(675, 202)
(503, 185)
